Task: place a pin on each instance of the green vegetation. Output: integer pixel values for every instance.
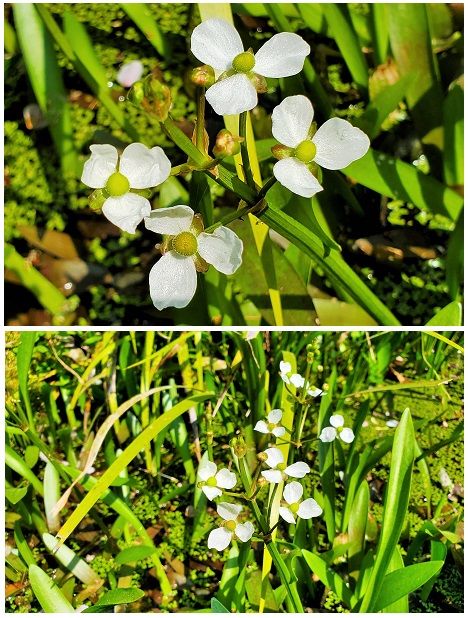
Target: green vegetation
(128, 418)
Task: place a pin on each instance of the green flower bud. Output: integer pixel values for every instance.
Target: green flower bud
(239, 447)
(259, 82)
(136, 94)
(203, 76)
(97, 198)
(227, 145)
(282, 152)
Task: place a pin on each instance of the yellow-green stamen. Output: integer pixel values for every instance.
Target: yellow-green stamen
(185, 244)
(281, 466)
(212, 482)
(306, 151)
(244, 62)
(294, 507)
(230, 525)
(117, 184)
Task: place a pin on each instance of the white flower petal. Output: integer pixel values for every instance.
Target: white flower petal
(144, 167)
(328, 434)
(294, 175)
(297, 380)
(285, 378)
(129, 73)
(228, 511)
(216, 42)
(275, 416)
(244, 531)
(284, 366)
(100, 165)
(226, 479)
(172, 281)
(287, 515)
(314, 393)
(232, 95)
(126, 211)
(272, 476)
(291, 123)
(206, 470)
(338, 144)
(282, 55)
(274, 457)
(309, 508)
(298, 470)
(392, 423)
(336, 420)
(262, 427)
(219, 539)
(293, 492)
(211, 492)
(278, 432)
(222, 249)
(172, 220)
(346, 435)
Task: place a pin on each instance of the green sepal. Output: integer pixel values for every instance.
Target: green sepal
(143, 192)
(97, 198)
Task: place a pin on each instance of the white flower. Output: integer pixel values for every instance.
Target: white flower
(316, 392)
(213, 481)
(138, 167)
(272, 426)
(279, 470)
(392, 423)
(305, 510)
(217, 43)
(129, 73)
(221, 537)
(328, 434)
(186, 249)
(334, 146)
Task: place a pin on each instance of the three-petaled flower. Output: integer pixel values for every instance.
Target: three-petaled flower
(120, 178)
(272, 426)
(213, 482)
(328, 434)
(334, 146)
(306, 509)
(221, 537)
(279, 470)
(218, 44)
(186, 249)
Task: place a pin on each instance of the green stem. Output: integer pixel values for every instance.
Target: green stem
(266, 187)
(244, 150)
(285, 577)
(239, 213)
(200, 124)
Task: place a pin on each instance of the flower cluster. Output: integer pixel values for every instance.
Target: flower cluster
(297, 380)
(233, 77)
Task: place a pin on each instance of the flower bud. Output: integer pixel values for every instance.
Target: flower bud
(282, 152)
(238, 446)
(259, 83)
(262, 482)
(97, 198)
(227, 145)
(158, 99)
(136, 94)
(203, 76)
(262, 456)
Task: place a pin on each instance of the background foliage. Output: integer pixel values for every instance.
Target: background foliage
(89, 401)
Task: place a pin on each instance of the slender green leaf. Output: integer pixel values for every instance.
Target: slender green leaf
(141, 15)
(395, 508)
(403, 581)
(328, 577)
(46, 81)
(450, 315)
(120, 596)
(46, 591)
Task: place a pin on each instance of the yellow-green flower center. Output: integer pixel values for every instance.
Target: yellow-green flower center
(243, 63)
(294, 507)
(306, 151)
(117, 184)
(281, 466)
(212, 482)
(271, 426)
(230, 525)
(185, 244)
